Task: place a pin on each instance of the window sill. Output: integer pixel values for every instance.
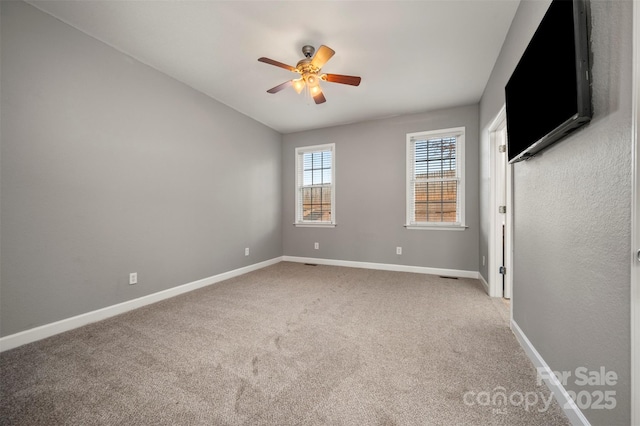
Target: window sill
(437, 227)
(315, 225)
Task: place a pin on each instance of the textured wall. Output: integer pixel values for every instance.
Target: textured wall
(110, 167)
(572, 208)
(370, 195)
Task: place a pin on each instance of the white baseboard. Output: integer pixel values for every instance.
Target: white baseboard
(384, 266)
(484, 282)
(48, 330)
(559, 392)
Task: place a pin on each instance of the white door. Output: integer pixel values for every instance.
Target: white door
(500, 256)
(635, 224)
(506, 223)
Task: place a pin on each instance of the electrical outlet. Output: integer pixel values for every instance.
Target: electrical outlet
(483, 260)
(398, 250)
(316, 246)
(246, 251)
(133, 278)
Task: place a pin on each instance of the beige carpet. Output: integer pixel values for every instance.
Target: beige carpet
(289, 344)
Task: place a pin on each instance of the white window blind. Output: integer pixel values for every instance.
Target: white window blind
(315, 185)
(435, 178)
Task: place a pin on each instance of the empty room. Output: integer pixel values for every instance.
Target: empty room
(319, 212)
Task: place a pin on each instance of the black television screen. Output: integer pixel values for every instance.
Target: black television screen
(549, 93)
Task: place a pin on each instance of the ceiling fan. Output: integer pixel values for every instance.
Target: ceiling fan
(309, 70)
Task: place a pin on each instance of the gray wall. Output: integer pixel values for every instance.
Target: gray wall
(370, 195)
(110, 167)
(572, 208)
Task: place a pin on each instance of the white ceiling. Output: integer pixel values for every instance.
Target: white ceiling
(413, 56)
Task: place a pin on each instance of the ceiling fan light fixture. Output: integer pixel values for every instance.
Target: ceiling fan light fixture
(298, 85)
(312, 79)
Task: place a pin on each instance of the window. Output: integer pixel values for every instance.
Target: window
(435, 179)
(315, 186)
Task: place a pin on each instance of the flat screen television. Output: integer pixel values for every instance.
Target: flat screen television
(548, 95)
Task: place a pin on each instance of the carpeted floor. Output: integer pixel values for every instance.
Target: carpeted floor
(288, 344)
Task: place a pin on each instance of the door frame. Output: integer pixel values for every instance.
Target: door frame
(495, 240)
(635, 216)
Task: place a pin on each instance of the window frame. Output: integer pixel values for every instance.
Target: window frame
(411, 223)
(299, 154)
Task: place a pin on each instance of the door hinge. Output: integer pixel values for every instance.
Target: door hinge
(502, 270)
(502, 209)
(502, 148)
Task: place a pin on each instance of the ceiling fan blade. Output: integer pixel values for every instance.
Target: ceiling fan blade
(319, 98)
(277, 64)
(343, 79)
(323, 54)
(280, 87)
